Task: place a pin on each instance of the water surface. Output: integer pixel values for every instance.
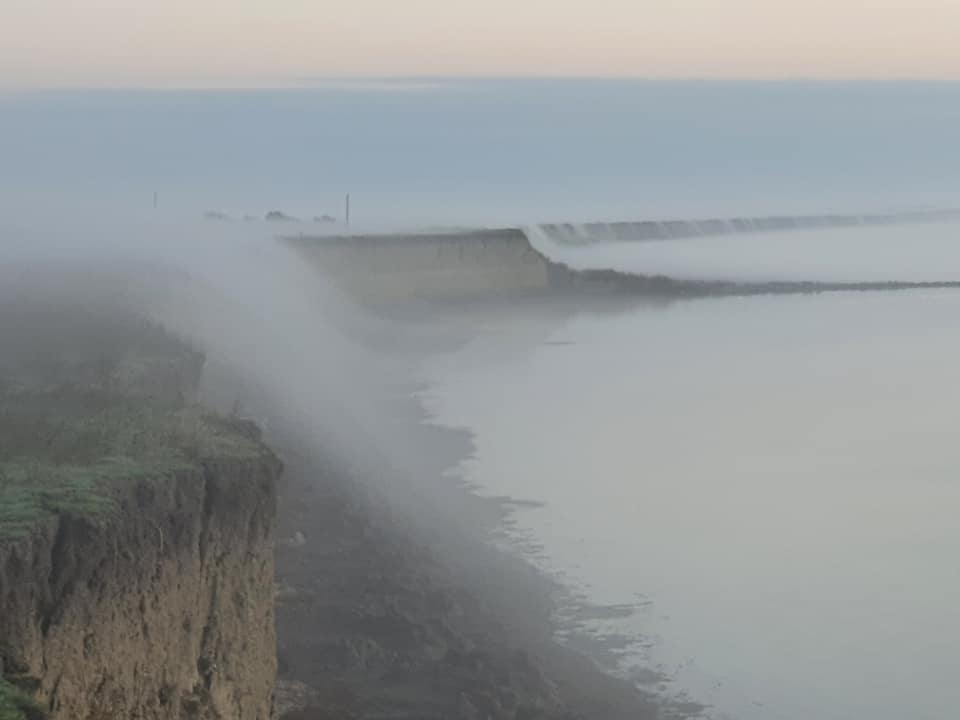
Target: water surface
(776, 475)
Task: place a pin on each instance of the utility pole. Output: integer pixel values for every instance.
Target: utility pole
(154, 199)
(347, 215)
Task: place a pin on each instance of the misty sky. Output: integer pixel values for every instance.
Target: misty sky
(485, 151)
(191, 43)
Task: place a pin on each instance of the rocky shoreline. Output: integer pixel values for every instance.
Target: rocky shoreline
(376, 621)
(382, 614)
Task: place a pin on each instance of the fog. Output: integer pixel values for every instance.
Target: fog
(278, 337)
(746, 465)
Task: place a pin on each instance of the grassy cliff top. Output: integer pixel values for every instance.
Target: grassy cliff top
(92, 397)
(60, 453)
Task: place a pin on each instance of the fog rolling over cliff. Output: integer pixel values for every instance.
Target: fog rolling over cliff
(243, 300)
(136, 527)
(283, 348)
(614, 399)
(392, 371)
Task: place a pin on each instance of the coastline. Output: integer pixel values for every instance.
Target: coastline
(383, 614)
(392, 596)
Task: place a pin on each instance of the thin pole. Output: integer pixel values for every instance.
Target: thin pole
(348, 210)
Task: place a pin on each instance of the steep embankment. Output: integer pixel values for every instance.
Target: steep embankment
(429, 266)
(475, 264)
(161, 610)
(136, 531)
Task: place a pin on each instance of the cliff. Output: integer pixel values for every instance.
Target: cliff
(444, 266)
(163, 611)
(136, 537)
(456, 266)
(137, 573)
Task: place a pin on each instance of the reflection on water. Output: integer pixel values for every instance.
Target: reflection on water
(778, 475)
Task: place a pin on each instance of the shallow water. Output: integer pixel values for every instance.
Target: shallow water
(776, 475)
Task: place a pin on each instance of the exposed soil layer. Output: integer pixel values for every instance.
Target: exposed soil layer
(162, 611)
(136, 529)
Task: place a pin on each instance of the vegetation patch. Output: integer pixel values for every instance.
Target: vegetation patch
(73, 462)
(30, 492)
(91, 398)
(17, 705)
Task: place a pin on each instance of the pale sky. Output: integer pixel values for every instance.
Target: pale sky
(226, 43)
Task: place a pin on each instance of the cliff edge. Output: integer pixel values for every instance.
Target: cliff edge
(136, 538)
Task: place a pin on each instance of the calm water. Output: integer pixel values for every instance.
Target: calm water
(778, 476)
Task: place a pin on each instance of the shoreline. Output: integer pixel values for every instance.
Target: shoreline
(391, 597)
(568, 611)
(465, 626)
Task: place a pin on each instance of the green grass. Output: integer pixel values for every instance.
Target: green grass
(17, 705)
(56, 458)
(91, 397)
(29, 492)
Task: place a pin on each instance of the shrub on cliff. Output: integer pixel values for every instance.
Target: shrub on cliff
(17, 705)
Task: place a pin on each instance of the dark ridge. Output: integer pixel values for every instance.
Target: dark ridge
(469, 245)
(425, 237)
(613, 281)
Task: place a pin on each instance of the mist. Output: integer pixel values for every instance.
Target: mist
(239, 296)
(519, 440)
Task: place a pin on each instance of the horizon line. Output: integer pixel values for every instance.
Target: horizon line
(388, 83)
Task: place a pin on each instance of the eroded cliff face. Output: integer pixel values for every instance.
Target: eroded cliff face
(164, 610)
(136, 527)
(453, 266)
